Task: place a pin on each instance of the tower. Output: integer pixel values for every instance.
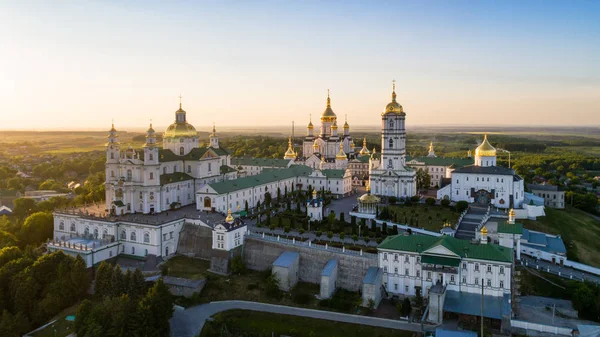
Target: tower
(310, 128)
(341, 161)
(334, 129)
(346, 127)
(327, 118)
(485, 154)
(431, 152)
(150, 148)
(214, 140)
(112, 146)
(393, 135)
(289, 154)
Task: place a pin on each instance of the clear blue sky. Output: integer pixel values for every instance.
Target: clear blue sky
(76, 64)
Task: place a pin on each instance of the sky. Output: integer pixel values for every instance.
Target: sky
(81, 64)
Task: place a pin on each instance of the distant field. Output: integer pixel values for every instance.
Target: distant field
(585, 150)
(580, 232)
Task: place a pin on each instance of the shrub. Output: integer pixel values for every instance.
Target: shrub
(415, 198)
(286, 229)
(461, 206)
(430, 201)
(237, 265)
(318, 233)
(301, 231)
(406, 307)
(445, 202)
(329, 235)
(342, 235)
(272, 287)
(301, 297)
(355, 237)
(392, 200)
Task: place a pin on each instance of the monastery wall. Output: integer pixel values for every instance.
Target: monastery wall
(195, 241)
(259, 254)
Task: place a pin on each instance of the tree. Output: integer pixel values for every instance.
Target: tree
(373, 226)
(117, 283)
(156, 309)
(342, 217)
(384, 228)
(461, 206)
(136, 287)
(329, 235)
(445, 202)
(342, 236)
(246, 206)
(13, 325)
(80, 278)
(83, 312)
(353, 224)
(38, 228)
(430, 201)
(268, 198)
(103, 279)
(423, 179)
(278, 193)
(406, 307)
(24, 206)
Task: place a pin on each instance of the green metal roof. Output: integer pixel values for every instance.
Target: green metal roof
(268, 162)
(441, 261)
(166, 155)
(332, 173)
(226, 169)
(174, 177)
(442, 161)
(267, 176)
(462, 248)
(515, 228)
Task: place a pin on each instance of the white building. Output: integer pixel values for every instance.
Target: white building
(422, 261)
(153, 180)
(484, 182)
(229, 234)
(389, 175)
(314, 208)
(438, 168)
(248, 166)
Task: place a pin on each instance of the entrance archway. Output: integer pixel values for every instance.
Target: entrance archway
(482, 197)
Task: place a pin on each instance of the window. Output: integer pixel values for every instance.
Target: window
(385, 256)
(170, 235)
(209, 166)
(189, 168)
(406, 258)
(501, 270)
(151, 156)
(112, 174)
(418, 259)
(391, 143)
(391, 123)
(464, 280)
(429, 275)
(110, 253)
(489, 268)
(86, 232)
(396, 270)
(95, 233)
(181, 140)
(476, 281)
(112, 155)
(145, 252)
(151, 175)
(164, 236)
(129, 175)
(132, 236)
(123, 235)
(104, 233)
(165, 170)
(489, 282)
(406, 271)
(147, 237)
(406, 289)
(61, 226)
(385, 269)
(464, 266)
(501, 284)
(141, 195)
(418, 273)
(476, 267)
(133, 250)
(451, 278)
(395, 286)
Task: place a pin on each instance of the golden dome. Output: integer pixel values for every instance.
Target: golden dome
(393, 106)
(341, 154)
(290, 154)
(150, 129)
(364, 151)
(368, 199)
(483, 230)
(328, 114)
(229, 218)
(180, 128)
(485, 149)
(314, 193)
(346, 126)
(310, 125)
(334, 126)
(316, 145)
(512, 213)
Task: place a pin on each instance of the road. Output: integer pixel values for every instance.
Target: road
(189, 322)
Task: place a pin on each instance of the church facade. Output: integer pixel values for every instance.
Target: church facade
(484, 182)
(154, 179)
(388, 174)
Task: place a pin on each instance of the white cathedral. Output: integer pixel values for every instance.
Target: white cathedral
(158, 179)
(388, 174)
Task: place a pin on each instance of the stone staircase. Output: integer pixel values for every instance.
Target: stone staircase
(468, 225)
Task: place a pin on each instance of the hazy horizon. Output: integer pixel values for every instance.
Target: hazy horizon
(77, 66)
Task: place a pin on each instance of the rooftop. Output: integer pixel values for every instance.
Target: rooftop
(498, 170)
(266, 162)
(372, 274)
(329, 267)
(470, 304)
(462, 248)
(286, 259)
(544, 242)
(98, 212)
(515, 228)
(266, 177)
(546, 187)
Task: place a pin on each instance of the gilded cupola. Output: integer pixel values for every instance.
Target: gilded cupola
(290, 154)
(393, 107)
(341, 154)
(485, 149)
(328, 115)
(181, 128)
(364, 151)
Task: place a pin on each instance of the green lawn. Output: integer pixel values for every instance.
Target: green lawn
(418, 216)
(63, 328)
(252, 323)
(580, 232)
(186, 267)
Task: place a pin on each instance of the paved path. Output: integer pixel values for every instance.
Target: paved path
(562, 271)
(189, 322)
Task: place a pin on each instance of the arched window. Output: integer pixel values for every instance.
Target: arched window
(129, 175)
(165, 170)
(61, 225)
(181, 151)
(132, 236)
(112, 174)
(72, 227)
(123, 235)
(181, 140)
(391, 143)
(175, 168)
(151, 156)
(104, 233)
(189, 168)
(391, 123)
(86, 232)
(151, 175)
(146, 237)
(95, 233)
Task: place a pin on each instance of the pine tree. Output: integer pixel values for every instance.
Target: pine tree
(154, 312)
(83, 312)
(117, 285)
(103, 279)
(136, 285)
(353, 224)
(79, 277)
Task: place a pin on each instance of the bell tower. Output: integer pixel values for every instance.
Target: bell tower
(214, 140)
(393, 135)
(113, 146)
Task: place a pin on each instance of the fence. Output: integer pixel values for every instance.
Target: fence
(309, 244)
(405, 227)
(528, 326)
(583, 267)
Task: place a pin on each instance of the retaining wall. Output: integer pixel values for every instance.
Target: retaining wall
(259, 254)
(195, 241)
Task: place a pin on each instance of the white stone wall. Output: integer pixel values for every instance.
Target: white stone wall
(504, 187)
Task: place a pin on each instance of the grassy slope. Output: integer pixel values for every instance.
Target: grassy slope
(423, 212)
(242, 322)
(186, 267)
(580, 232)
